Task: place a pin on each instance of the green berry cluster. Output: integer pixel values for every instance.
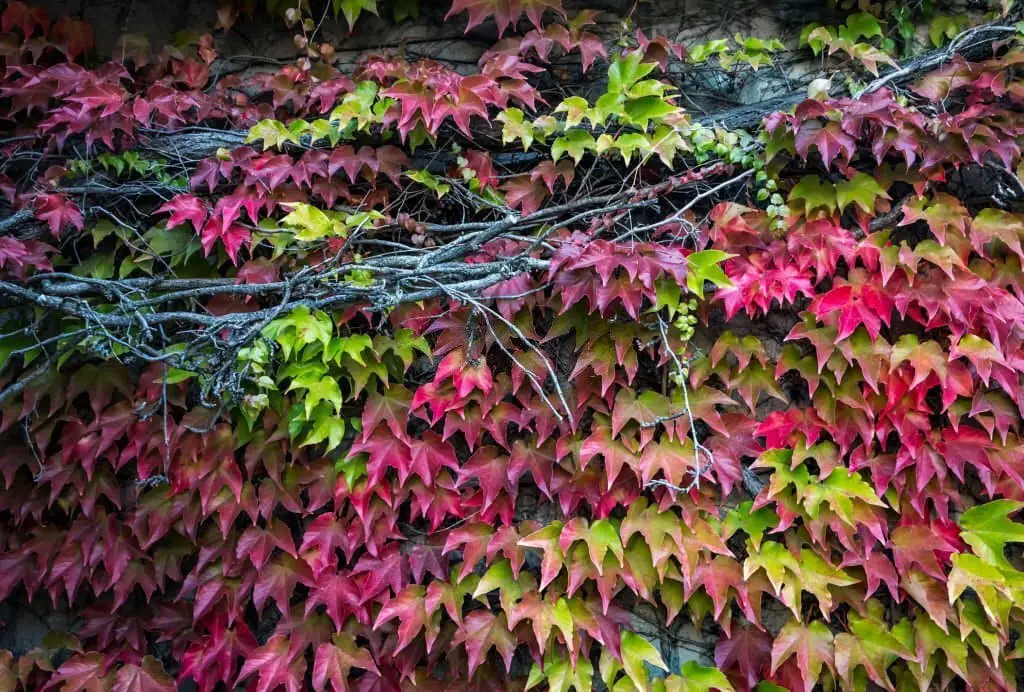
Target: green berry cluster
(732, 146)
(767, 191)
(685, 319)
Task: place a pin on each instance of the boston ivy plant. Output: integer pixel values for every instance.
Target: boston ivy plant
(444, 379)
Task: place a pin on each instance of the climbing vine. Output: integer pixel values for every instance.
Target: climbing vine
(415, 376)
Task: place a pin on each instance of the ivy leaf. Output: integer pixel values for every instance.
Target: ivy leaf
(873, 646)
(933, 641)
(930, 594)
(311, 224)
(149, 676)
(988, 528)
(20, 15)
(85, 672)
(336, 658)
(601, 538)
(860, 300)
(544, 614)
(330, 428)
(705, 266)
(185, 207)
(748, 650)
(575, 109)
(430, 181)
(627, 70)
(500, 576)
(987, 582)
(505, 12)
(813, 197)
(818, 577)
(860, 25)
(693, 677)
(276, 665)
(812, 644)
(547, 540)
(642, 111)
(829, 139)
(576, 143)
(561, 675)
(525, 193)
(980, 352)
(861, 190)
(514, 127)
(353, 8)
(58, 212)
(752, 522)
(408, 607)
(213, 658)
(925, 358)
(344, 348)
(317, 390)
(273, 133)
(299, 329)
(481, 631)
(842, 490)
(636, 651)
(632, 143)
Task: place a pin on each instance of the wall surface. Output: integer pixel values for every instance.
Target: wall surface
(263, 43)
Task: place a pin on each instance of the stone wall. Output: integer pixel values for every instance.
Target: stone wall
(263, 43)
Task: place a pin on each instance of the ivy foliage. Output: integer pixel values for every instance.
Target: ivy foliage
(350, 399)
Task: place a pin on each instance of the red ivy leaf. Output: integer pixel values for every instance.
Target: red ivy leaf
(335, 659)
(20, 15)
(184, 208)
(859, 300)
(147, 677)
(277, 664)
(58, 212)
(505, 12)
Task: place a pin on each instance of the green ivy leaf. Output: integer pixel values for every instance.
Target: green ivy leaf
(816, 37)
(575, 108)
(576, 143)
(988, 528)
(704, 266)
(694, 677)
(641, 111)
(812, 196)
(352, 346)
(561, 676)
(330, 428)
(625, 71)
(514, 127)
(404, 344)
(353, 8)
(632, 143)
(862, 190)
(317, 390)
(860, 25)
(272, 133)
(668, 293)
(430, 181)
(353, 468)
(840, 490)
(300, 328)
(752, 522)
(942, 28)
(312, 224)
(636, 651)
